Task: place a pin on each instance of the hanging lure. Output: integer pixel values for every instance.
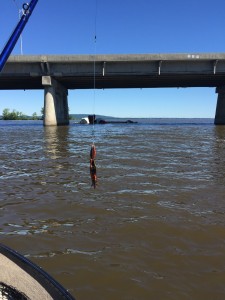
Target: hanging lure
(93, 171)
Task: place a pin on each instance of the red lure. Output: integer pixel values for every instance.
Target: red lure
(93, 171)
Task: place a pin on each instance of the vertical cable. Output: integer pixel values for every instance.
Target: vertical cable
(94, 93)
(16, 4)
(94, 77)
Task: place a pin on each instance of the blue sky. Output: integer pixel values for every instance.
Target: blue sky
(122, 27)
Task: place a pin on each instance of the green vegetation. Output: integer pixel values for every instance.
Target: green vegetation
(16, 115)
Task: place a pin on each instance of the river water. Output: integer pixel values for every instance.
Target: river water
(153, 229)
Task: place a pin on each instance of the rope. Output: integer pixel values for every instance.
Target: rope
(16, 4)
(94, 71)
(93, 171)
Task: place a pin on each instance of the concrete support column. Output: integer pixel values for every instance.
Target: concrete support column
(220, 108)
(56, 110)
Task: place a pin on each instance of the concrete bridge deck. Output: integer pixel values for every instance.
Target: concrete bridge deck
(116, 71)
(58, 73)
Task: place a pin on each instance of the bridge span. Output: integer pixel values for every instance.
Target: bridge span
(58, 73)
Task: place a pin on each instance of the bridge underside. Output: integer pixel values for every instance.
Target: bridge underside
(119, 81)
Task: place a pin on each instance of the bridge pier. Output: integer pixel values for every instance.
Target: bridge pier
(220, 108)
(56, 110)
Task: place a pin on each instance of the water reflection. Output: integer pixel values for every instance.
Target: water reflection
(65, 162)
(56, 141)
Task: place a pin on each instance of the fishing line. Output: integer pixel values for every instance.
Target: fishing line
(16, 4)
(94, 96)
(93, 169)
(94, 70)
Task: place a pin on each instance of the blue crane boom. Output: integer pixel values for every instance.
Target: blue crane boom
(27, 11)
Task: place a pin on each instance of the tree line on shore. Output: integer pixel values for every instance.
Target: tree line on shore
(16, 115)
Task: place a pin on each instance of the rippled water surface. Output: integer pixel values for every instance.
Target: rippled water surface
(153, 229)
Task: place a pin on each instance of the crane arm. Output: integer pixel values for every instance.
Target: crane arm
(27, 11)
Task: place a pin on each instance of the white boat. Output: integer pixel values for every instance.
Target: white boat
(22, 279)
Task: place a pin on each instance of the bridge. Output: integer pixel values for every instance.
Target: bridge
(58, 73)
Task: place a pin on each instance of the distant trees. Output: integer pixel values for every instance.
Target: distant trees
(35, 116)
(16, 115)
(13, 115)
(42, 113)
